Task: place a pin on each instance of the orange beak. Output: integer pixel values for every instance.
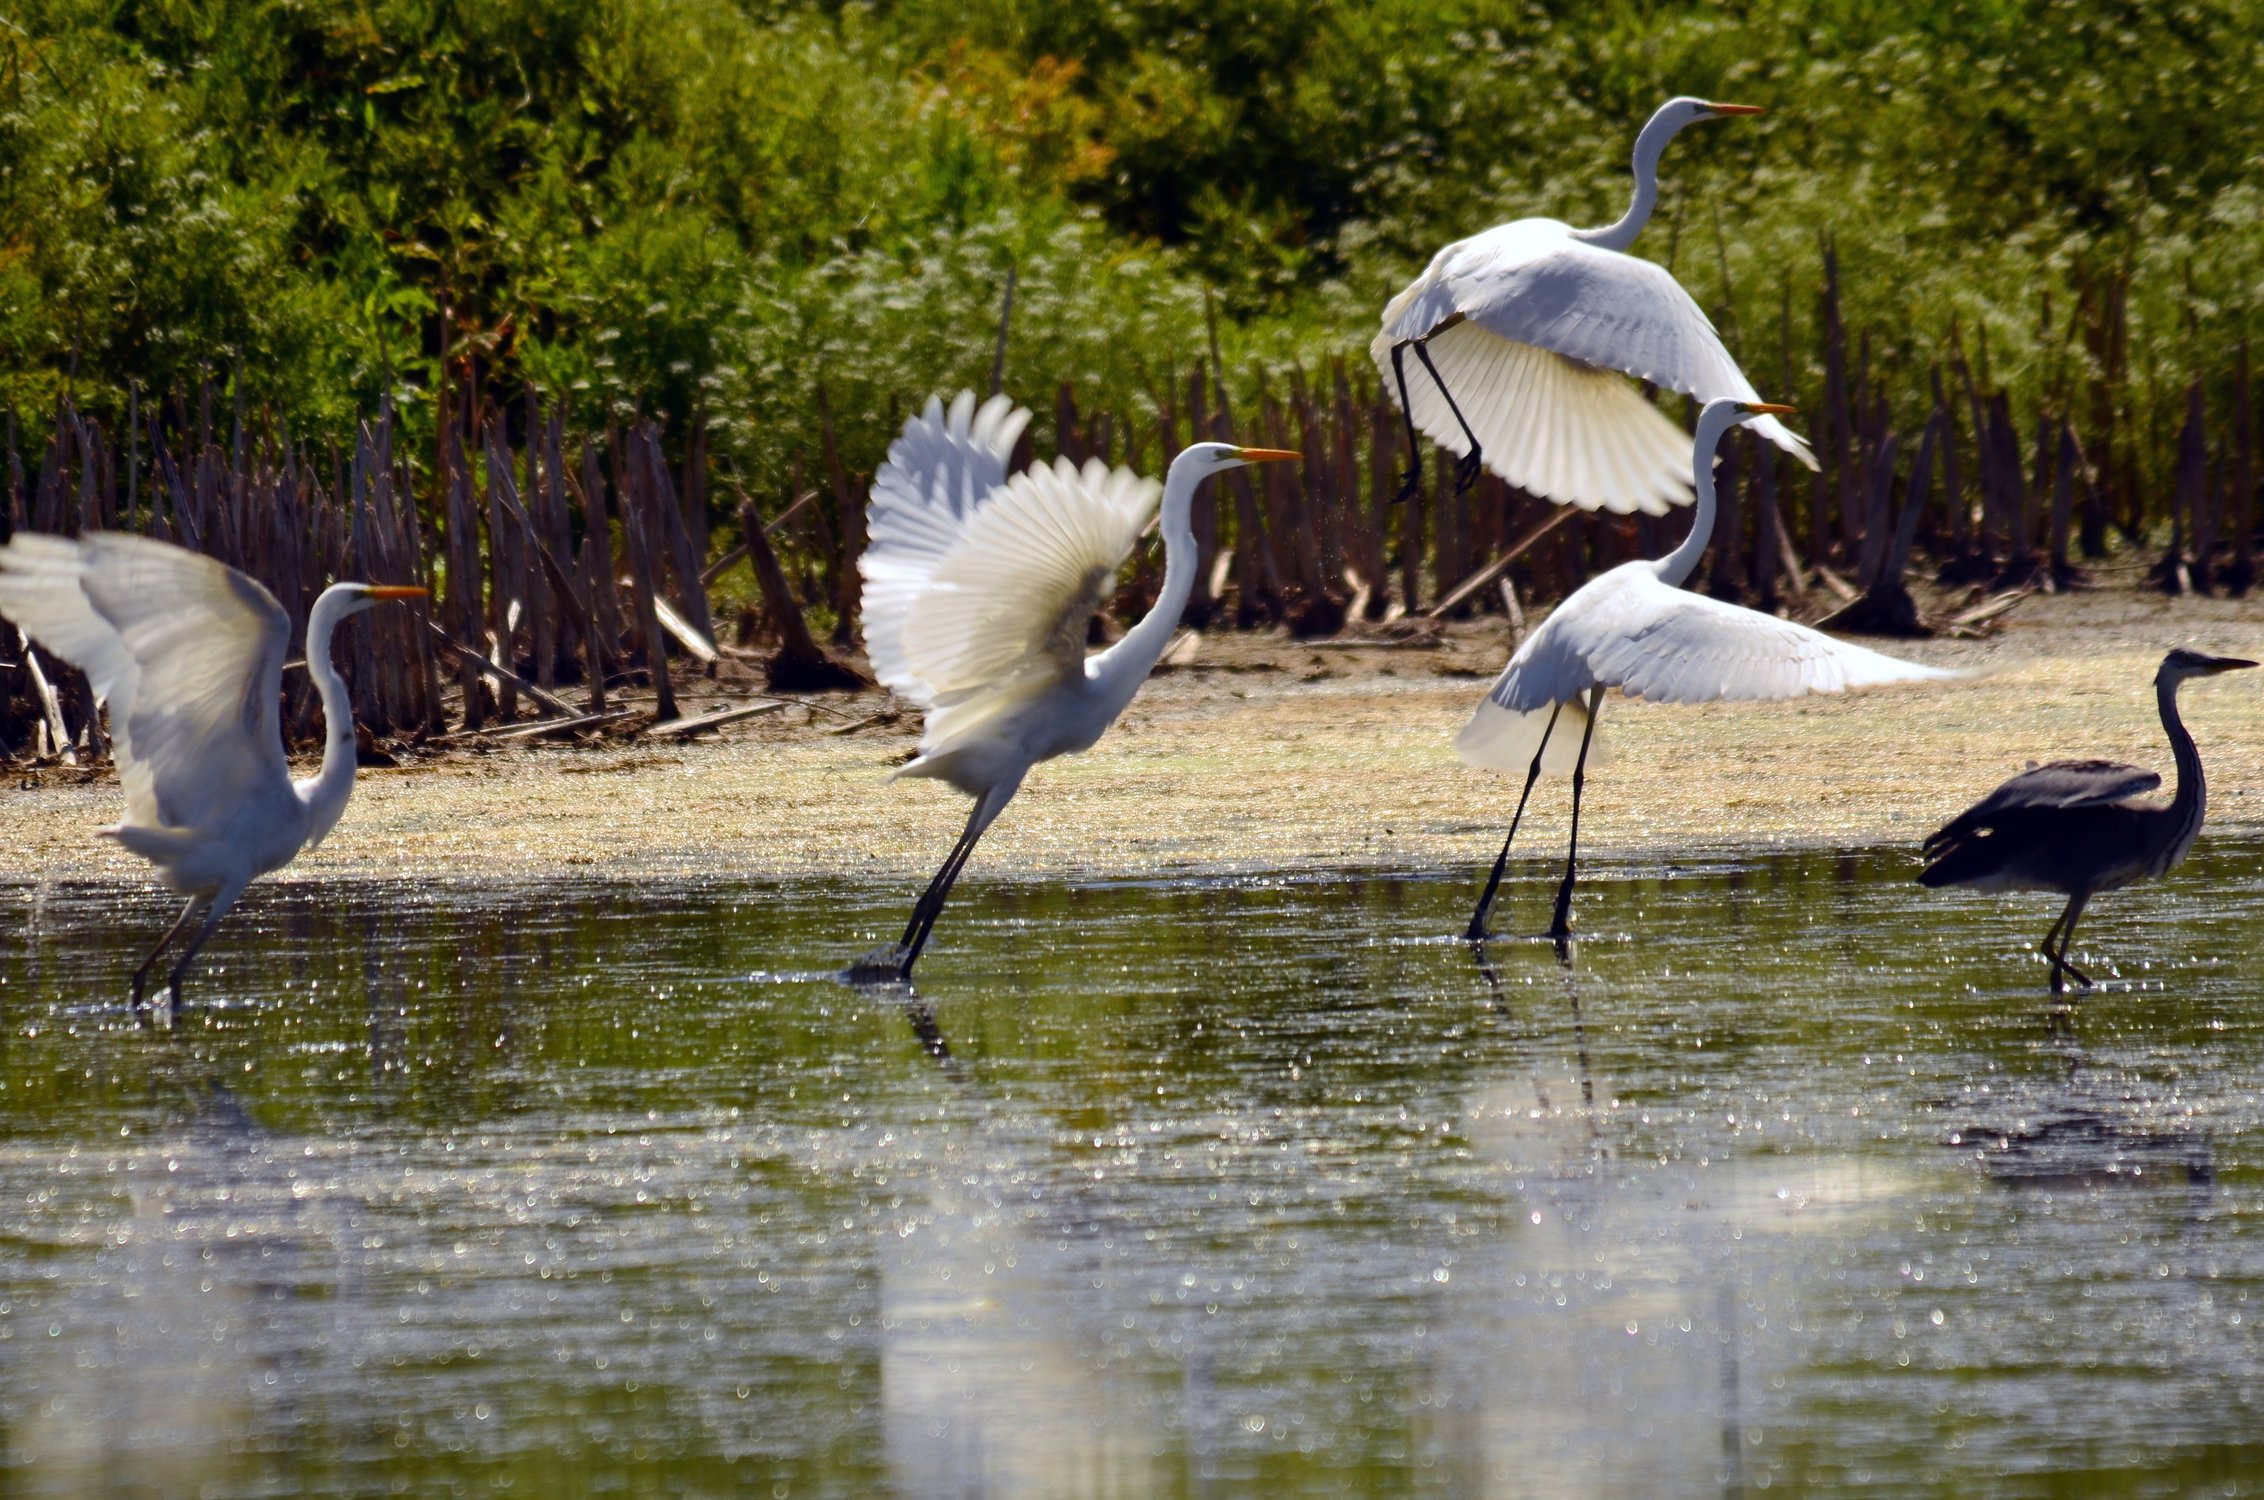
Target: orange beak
(395, 591)
(1265, 455)
(1736, 109)
(1770, 408)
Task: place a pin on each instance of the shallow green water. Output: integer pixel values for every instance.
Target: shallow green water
(1791, 1180)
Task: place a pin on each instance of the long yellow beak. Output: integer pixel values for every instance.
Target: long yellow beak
(1759, 408)
(395, 591)
(1264, 455)
(1737, 109)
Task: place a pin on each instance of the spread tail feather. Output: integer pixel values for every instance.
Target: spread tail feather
(1501, 739)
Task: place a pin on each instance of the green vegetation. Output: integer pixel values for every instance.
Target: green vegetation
(680, 204)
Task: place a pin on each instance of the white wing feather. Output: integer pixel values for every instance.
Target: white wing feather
(1570, 432)
(187, 651)
(1628, 630)
(938, 473)
(1032, 564)
(1530, 285)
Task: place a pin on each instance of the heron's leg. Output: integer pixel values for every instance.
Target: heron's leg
(1409, 481)
(987, 807)
(1476, 931)
(149, 961)
(1560, 927)
(1466, 471)
(2073, 915)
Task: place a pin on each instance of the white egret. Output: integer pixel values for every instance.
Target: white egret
(2073, 826)
(188, 653)
(1522, 329)
(1635, 628)
(978, 593)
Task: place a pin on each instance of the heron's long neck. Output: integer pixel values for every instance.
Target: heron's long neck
(2187, 807)
(1126, 664)
(1683, 560)
(1648, 145)
(324, 794)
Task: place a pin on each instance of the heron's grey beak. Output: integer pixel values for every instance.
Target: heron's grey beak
(2228, 663)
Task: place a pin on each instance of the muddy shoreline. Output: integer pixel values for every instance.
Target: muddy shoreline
(1267, 753)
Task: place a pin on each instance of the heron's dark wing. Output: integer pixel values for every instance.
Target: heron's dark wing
(2061, 785)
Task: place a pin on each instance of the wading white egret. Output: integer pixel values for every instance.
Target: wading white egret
(1635, 628)
(2072, 826)
(1527, 331)
(979, 590)
(188, 653)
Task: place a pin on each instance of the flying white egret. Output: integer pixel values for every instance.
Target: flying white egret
(188, 653)
(978, 593)
(1527, 324)
(1635, 628)
(2073, 826)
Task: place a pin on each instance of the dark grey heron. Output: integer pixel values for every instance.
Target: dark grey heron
(2073, 826)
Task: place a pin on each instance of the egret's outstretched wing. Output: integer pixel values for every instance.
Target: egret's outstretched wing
(2062, 784)
(193, 668)
(40, 593)
(1673, 646)
(1014, 596)
(939, 472)
(1630, 631)
(1570, 432)
(1530, 286)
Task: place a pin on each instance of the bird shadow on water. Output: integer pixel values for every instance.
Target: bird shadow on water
(2084, 1123)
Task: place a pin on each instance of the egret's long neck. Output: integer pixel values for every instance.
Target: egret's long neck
(325, 793)
(1683, 560)
(2187, 807)
(1126, 664)
(1648, 145)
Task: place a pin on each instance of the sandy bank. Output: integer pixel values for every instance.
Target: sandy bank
(1271, 754)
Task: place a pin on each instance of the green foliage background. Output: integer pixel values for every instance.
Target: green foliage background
(670, 204)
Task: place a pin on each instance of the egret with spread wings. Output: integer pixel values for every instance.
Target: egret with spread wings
(1635, 628)
(979, 590)
(2075, 826)
(188, 654)
(1528, 331)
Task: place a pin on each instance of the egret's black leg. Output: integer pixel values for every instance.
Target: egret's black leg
(1476, 931)
(141, 975)
(188, 956)
(1561, 927)
(930, 905)
(1465, 472)
(1413, 478)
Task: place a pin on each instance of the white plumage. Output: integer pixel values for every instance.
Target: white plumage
(1525, 325)
(1631, 629)
(979, 591)
(1635, 628)
(188, 655)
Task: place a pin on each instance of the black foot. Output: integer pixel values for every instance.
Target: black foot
(1409, 483)
(889, 964)
(1476, 931)
(1466, 471)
